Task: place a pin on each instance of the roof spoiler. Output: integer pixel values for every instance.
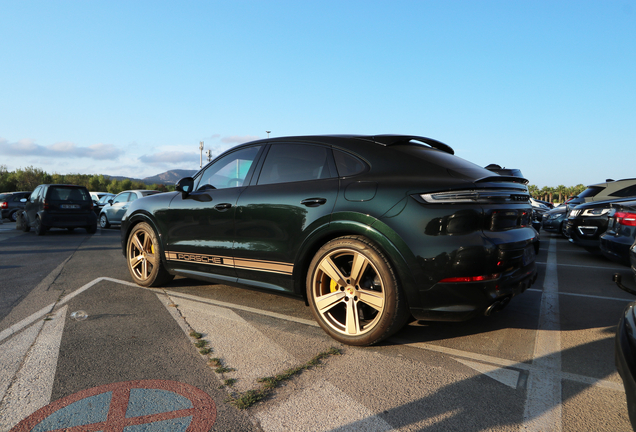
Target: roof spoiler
(388, 140)
(501, 178)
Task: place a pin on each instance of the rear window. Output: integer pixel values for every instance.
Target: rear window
(146, 193)
(590, 192)
(65, 193)
(445, 160)
(3, 197)
(625, 192)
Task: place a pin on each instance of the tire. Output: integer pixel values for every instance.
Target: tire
(26, 227)
(13, 216)
(91, 229)
(40, 229)
(353, 292)
(143, 256)
(103, 221)
(70, 229)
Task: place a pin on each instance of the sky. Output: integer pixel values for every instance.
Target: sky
(130, 88)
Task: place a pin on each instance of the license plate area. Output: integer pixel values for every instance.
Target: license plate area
(69, 206)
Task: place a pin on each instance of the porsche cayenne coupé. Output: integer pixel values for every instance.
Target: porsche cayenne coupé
(370, 230)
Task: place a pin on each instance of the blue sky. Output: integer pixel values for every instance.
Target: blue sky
(131, 87)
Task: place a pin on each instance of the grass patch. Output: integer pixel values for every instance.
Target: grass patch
(205, 351)
(196, 335)
(201, 343)
(250, 397)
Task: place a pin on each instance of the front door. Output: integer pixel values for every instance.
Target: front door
(200, 225)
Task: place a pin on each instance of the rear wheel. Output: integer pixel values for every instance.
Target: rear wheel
(40, 229)
(91, 229)
(143, 257)
(13, 216)
(353, 292)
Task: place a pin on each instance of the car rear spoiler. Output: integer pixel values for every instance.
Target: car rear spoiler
(388, 140)
(500, 179)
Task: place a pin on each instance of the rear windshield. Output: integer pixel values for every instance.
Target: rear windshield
(4, 197)
(590, 192)
(65, 193)
(146, 193)
(445, 160)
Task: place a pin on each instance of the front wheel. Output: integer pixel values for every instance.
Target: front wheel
(143, 257)
(103, 221)
(354, 293)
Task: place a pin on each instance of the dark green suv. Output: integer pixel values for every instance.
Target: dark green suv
(370, 230)
(59, 206)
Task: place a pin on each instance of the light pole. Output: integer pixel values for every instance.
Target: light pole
(201, 151)
(268, 132)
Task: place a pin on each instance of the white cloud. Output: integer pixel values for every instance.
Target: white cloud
(169, 157)
(65, 149)
(235, 139)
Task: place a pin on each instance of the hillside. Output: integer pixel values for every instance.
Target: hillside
(168, 178)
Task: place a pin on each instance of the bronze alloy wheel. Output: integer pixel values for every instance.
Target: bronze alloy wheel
(142, 254)
(353, 292)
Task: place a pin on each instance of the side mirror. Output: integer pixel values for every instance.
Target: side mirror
(110, 202)
(185, 186)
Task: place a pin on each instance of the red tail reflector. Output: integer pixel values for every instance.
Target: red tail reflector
(45, 205)
(471, 278)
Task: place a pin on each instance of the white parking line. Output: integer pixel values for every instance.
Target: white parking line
(543, 410)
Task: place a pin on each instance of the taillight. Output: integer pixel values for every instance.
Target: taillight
(625, 218)
(4, 205)
(45, 205)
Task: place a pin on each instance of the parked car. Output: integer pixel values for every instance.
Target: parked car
(587, 222)
(610, 189)
(370, 230)
(10, 203)
(620, 235)
(625, 348)
(554, 220)
(112, 212)
(99, 205)
(59, 206)
(96, 196)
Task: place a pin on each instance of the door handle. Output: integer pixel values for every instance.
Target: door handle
(223, 206)
(313, 202)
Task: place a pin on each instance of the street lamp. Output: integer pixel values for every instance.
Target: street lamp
(201, 152)
(268, 132)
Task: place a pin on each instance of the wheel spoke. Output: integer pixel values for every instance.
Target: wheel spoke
(330, 269)
(358, 267)
(327, 301)
(137, 242)
(353, 322)
(135, 261)
(372, 298)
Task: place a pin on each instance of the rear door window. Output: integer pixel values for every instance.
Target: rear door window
(287, 163)
(625, 192)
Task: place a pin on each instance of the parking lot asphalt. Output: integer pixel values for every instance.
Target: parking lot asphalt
(543, 363)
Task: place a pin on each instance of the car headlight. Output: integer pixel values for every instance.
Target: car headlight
(574, 213)
(595, 212)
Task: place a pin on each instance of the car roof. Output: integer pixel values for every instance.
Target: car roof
(383, 140)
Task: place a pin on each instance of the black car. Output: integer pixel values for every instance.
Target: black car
(10, 203)
(625, 348)
(103, 200)
(617, 241)
(554, 220)
(587, 222)
(370, 230)
(59, 206)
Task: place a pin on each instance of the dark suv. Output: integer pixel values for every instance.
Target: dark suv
(369, 230)
(605, 191)
(60, 206)
(10, 204)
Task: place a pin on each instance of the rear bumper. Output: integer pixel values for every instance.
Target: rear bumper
(69, 221)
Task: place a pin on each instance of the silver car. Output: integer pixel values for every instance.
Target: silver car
(112, 212)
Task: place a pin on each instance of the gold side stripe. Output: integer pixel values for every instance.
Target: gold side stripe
(249, 264)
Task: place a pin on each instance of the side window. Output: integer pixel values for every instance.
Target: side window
(295, 162)
(133, 196)
(35, 194)
(121, 198)
(229, 171)
(625, 192)
(347, 164)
